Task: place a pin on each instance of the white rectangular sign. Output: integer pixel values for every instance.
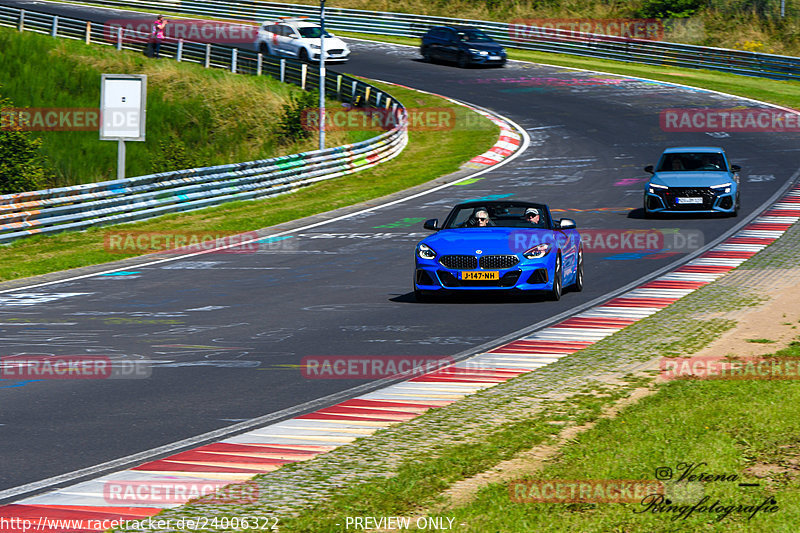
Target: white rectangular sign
(123, 107)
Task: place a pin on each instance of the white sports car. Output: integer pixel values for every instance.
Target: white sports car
(299, 39)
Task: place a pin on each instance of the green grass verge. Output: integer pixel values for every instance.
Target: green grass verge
(747, 429)
(429, 154)
(205, 116)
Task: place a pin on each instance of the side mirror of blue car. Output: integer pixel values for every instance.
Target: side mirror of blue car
(432, 224)
(649, 169)
(735, 168)
(566, 223)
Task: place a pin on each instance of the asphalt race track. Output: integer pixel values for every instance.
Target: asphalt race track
(225, 332)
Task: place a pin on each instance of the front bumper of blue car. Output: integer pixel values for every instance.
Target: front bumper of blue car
(431, 275)
(690, 200)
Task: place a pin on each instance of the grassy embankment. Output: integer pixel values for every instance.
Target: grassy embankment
(195, 116)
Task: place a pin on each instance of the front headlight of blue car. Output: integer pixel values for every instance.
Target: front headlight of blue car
(479, 52)
(655, 189)
(538, 251)
(425, 252)
(724, 188)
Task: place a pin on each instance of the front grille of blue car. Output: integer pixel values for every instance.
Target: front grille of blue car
(459, 262)
(669, 196)
(499, 262)
(470, 262)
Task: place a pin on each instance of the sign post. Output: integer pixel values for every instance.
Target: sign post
(322, 75)
(123, 108)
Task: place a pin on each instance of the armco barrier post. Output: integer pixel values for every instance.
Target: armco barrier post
(119, 38)
(259, 64)
(283, 70)
(54, 28)
(21, 24)
(179, 53)
(208, 55)
(88, 32)
(234, 57)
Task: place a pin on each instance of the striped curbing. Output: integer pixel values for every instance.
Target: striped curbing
(508, 143)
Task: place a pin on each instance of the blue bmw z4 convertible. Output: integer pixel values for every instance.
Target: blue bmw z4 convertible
(499, 246)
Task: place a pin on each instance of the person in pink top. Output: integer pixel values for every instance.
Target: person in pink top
(159, 27)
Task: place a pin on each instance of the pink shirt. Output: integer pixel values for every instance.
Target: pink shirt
(158, 28)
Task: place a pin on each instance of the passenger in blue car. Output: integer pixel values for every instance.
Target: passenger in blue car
(532, 216)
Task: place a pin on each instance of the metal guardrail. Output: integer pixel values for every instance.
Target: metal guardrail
(110, 202)
(562, 42)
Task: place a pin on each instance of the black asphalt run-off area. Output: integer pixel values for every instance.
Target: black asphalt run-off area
(226, 331)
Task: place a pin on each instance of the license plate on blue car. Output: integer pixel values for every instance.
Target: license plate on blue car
(693, 200)
(488, 275)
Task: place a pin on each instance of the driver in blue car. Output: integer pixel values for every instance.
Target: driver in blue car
(482, 219)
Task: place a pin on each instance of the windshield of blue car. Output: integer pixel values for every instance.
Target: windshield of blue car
(474, 36)
(692, 162)
(511, 216)
(311, 32)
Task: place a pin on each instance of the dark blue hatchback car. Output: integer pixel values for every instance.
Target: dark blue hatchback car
(463, 45)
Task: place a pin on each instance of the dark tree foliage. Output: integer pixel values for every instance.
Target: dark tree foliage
(294, 115)
(173, 155)
(669, 8)
(21, 167)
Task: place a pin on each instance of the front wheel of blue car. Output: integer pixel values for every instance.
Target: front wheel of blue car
(735, 212)
(554, 294)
